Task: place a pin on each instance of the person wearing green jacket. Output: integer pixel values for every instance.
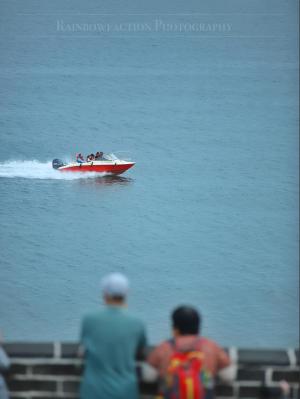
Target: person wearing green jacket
(110, 339)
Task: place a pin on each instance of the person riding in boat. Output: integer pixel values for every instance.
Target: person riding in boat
(99, 155)
(90, 158)
(79, 158)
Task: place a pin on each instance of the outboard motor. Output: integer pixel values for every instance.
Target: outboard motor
(57, 163)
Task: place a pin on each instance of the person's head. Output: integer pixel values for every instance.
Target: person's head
(186, 320)
(115, 289)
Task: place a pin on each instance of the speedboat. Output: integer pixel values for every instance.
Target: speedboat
(108, 163)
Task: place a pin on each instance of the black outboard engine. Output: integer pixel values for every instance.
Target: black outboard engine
(57, 163)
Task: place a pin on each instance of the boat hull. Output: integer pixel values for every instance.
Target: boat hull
(115, 169)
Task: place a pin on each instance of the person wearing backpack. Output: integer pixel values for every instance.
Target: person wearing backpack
(187, 364)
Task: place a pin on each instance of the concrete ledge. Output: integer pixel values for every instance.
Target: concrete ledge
(263, 357)
(69, 350)
(21, 349)
(251, 375)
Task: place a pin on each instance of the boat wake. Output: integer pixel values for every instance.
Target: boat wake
(40, 170)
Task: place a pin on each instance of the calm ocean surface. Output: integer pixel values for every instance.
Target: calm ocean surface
(209, 214)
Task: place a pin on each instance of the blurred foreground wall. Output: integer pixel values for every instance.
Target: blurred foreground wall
(52, 370)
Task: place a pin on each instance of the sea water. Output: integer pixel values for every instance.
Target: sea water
(203, 96)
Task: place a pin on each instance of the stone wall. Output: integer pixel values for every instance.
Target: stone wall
(53, 370)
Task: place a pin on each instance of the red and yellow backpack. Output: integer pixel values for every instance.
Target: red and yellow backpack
(186, 377)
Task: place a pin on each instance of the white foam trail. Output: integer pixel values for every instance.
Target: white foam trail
(40, 170)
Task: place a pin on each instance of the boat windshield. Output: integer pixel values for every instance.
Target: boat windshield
(110, 157)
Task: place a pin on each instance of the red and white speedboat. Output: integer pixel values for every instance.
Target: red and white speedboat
(108, 163)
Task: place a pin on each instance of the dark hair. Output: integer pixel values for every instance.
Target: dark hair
(120, 298)
(116, 298)
(186, 320)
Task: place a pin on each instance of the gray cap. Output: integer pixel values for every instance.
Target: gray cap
(115, 284)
